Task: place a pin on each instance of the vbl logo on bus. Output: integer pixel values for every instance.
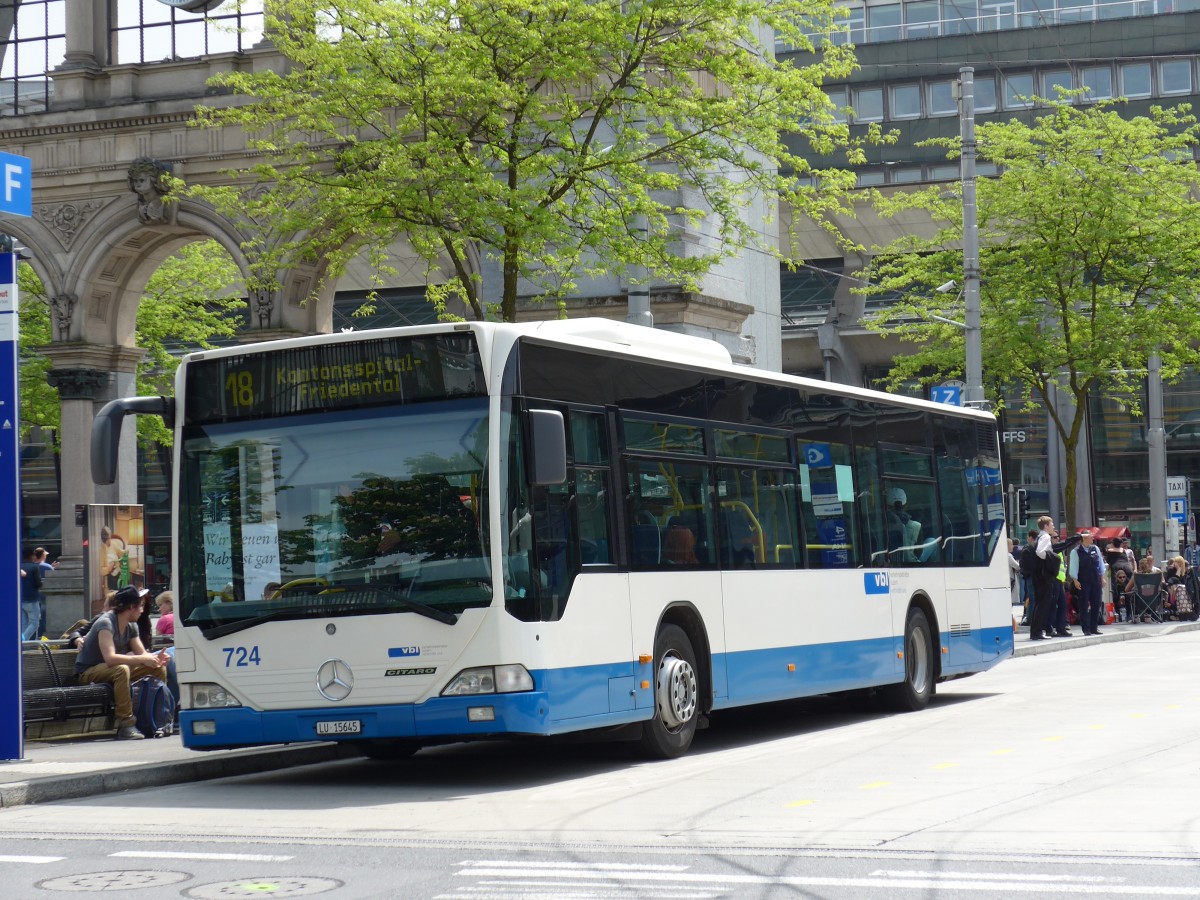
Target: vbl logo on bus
(876, 583)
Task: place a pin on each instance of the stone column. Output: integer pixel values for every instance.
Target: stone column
(64, 590)
(86, 376)
(87, 33)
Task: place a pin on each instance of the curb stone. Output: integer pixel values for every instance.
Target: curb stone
(202, 768)
(1025, 648)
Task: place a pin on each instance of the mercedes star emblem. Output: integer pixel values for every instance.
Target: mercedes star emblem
(335, 680)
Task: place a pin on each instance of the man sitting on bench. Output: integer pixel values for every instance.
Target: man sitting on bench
(112, 652)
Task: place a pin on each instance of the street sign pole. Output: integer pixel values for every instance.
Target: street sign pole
(12, 730)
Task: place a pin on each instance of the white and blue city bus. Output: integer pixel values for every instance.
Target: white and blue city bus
(420, 535)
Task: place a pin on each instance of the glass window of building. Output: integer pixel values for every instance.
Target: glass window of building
(997, 15)
(1116, 9)
(1099, 82)
(921, 18)
(147, 32)
(985, 94)
(840, 100)
(905, 101)
(944, 173)
(868, 105)
(1135, 80)
(857, 23)
(960, 17)
(940, 98)
(1175, 76)
(870, 178)
(1052, 80)
(883, 22)
(904, 174)
(1017, 91)
(34, 44)
(1036, 13)
(1076, 11)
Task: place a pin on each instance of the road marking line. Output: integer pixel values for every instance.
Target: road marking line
(909, 873)
(873, 785)
(574, 866)
(181, 854)
(1035, 885)
(32, 859)
(1053, 737)
(802, 803)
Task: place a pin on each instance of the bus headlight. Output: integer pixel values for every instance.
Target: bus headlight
(489, 680)
(210, 696)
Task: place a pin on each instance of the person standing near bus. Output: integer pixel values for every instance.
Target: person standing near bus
(1046, 585)
(1086, 571)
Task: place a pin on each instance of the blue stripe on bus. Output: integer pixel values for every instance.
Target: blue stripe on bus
(599, 696)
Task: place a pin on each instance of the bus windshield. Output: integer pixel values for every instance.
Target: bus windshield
(355, 512)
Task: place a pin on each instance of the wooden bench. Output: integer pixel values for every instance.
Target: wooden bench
(50, 692)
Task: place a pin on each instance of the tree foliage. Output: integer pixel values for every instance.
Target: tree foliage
(1089, 259)
(536, 134)
(191, 299)
(38, 401)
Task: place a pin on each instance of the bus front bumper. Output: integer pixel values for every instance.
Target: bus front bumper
(446, 717)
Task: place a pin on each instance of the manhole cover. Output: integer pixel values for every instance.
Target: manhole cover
(121, 880)
(284, 886)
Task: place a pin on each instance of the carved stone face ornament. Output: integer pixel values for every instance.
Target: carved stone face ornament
(148, 179)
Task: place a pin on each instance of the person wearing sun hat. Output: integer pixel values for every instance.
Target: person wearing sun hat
(113, 653)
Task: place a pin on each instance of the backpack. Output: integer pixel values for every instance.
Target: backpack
(1178, 599)
(153, 706)
(1029, 562)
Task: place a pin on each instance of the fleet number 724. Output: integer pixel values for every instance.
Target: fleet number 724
(241, 656)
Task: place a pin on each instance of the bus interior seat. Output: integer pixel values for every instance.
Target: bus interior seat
(646, 546)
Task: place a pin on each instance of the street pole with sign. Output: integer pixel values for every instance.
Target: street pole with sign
(16, 199)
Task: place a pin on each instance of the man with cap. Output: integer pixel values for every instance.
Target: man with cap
(113, 653)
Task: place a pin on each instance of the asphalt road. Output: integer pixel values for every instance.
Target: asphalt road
(1066, 773)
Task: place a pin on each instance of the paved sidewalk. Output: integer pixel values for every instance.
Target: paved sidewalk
(70, 768)
(1108, 633)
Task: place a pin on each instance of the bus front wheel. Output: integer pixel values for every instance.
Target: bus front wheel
(669, 733)
(915, 691)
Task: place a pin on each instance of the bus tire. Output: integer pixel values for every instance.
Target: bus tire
(669, 733)
(916, 690)
(387, 750)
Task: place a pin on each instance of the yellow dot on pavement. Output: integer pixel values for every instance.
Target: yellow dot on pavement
(1053, 737)
(262, 887)
(1095, 727)
(1137, 715)
(802, 803)
(872, 785)
(1174, 706)
(1002, 752)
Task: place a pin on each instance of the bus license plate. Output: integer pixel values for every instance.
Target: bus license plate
(346, 726)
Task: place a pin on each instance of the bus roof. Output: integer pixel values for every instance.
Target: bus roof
(612, 336)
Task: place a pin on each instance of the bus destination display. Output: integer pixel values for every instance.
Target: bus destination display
(325, 377)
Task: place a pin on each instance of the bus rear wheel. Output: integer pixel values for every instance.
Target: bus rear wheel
(669, 733)
(387, 750)
(915, 691)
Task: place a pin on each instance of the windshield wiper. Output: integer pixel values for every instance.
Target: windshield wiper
(438, 615)
(243, 624)
(431, 612)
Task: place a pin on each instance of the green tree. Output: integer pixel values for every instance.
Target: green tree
(1089, 260)
(37, 399)
(537, 133)
(192, 298)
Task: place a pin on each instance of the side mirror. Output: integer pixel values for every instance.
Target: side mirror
(547, 447)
